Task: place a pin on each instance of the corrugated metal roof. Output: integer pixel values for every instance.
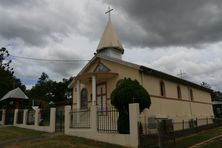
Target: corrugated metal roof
(15, 94)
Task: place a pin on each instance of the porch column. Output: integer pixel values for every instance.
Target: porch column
(93, 90)
(78, 94)
(78, 101)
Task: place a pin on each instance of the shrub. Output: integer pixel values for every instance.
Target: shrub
(128, 91)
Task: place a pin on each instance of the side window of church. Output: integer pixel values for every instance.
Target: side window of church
(191, 94)
(84, 99)
(162, 88)
(179, 92)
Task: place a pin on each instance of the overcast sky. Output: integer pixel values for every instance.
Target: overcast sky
(169, 35)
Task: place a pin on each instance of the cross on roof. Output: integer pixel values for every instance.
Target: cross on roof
(181, 74)
(109, 11)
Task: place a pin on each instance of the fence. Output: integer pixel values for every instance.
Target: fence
(162, 132)
(2, 116)
(1, 112)
(80, 119)
(44, 117)
(104, 131)
(107, 120)
(20, 117)
(31, 119)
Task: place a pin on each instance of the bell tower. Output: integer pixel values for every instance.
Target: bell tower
(109, 44)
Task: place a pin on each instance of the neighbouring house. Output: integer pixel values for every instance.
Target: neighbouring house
(14, 99)
(171, 97)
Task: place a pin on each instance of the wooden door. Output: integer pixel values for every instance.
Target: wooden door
(101, 99)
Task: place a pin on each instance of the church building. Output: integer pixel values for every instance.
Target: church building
(171, 97)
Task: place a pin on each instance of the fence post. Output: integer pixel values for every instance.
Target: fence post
(183, 125)
(134, 119)
(52, 119)
(67, 118)
(15, 117)
(197, 122)
(3, 116)
(25, 116)
(93, 118)
(36, 117)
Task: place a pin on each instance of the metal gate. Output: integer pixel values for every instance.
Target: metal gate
(60, 121)
(163, 138)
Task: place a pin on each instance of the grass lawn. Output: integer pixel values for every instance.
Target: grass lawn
(64, 142)
(7, 133)
(214, 144)
(199, 137)
(11, 133)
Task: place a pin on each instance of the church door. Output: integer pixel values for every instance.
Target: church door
(101, 98)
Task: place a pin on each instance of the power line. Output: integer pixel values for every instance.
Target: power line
(47, 60)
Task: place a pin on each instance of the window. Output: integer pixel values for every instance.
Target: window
(179, 92)
(101, 68)
(191, 94)
(162, 88)
(84, 99)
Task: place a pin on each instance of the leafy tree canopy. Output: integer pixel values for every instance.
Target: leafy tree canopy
(7, 80)
(48, 90)
(206, 85)
(216, 96)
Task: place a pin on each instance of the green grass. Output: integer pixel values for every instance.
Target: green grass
(64, 141)
(214, 144)
(8, 133)
(197, 138)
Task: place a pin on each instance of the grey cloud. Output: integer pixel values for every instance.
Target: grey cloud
(195, 64)
(35, 25)
(172, 22)
(7, 3)
(55, 69)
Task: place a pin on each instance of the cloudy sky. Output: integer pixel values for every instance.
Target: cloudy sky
(170, 36)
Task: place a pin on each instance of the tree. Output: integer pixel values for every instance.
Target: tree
(128, 91)
(47, 90)
(206, 85)
(7, 80)
(216, 96)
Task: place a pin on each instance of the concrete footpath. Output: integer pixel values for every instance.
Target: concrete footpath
(29, 138)
(206, 142)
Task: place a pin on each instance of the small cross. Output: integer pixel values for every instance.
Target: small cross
(181, 74)
(109, 11)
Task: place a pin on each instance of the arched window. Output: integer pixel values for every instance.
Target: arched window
(84, 99)
(191, 94)
(162, 88)
(179, 92)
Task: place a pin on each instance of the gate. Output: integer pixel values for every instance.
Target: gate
(163, 137)
(60, 121)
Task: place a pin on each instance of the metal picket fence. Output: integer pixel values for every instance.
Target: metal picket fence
(107, 119)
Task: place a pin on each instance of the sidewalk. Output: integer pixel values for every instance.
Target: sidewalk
(30, 138)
